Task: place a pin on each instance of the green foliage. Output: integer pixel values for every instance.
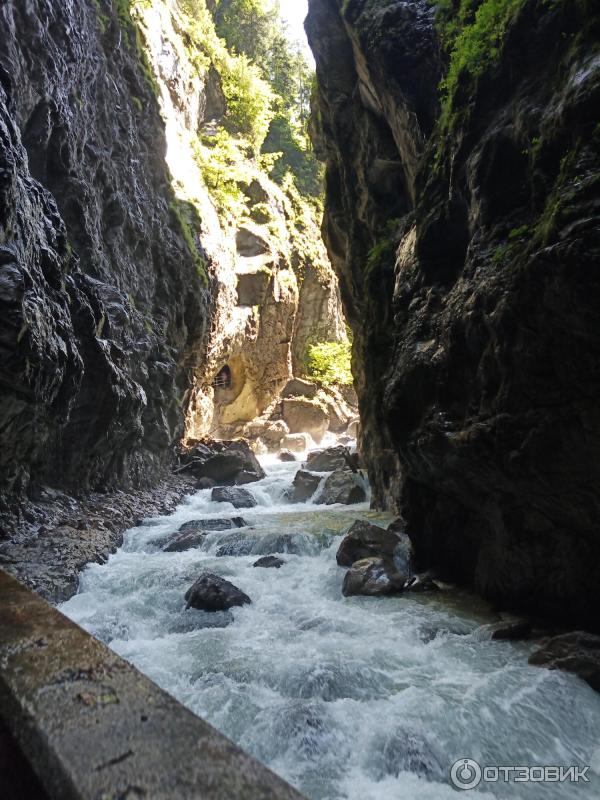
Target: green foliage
(330, 363)
(472, 31)
(249, 100)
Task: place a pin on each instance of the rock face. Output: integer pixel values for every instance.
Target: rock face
(100, 298)
(213, 593)
(465, 236)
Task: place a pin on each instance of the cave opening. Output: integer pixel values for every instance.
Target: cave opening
(223, 378)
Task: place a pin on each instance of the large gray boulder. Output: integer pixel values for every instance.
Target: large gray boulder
(186, 541)
(227, 462)
(238, 497)
(373, 577)
(342, 486)
(304, 486)
(213, 525)
(213, 593)
(365, 540)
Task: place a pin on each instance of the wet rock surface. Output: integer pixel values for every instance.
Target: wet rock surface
(373, 577)
(213, 593)
(365, 540)
(239, 498)
(304, 486)
(328, 460)
(465, 255)
(342, 486)
(270, 562)
(47, 544)
(576, 652)
(225, 463)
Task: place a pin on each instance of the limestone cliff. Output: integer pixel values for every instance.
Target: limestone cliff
(463, 224)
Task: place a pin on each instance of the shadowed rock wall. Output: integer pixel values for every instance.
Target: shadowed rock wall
(467, 254)
(100, 295)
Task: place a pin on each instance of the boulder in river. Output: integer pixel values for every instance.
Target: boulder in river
(287, 456)
(213, 593)
(328, 460)
(373, 577)
(186, 541)
(270, 562)
(365, 540)
(238, 497)
(342, 486)
(205, 483)
(304, 486)
(577, 652)
(223, 462)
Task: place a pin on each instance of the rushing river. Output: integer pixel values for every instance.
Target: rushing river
(359, 698)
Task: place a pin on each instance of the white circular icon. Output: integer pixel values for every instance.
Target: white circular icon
(466, 774)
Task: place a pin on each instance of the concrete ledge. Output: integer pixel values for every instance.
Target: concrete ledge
(91, 726)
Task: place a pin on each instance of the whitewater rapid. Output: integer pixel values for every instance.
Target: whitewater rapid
(357, 698)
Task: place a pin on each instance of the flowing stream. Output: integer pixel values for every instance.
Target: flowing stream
(358, 698)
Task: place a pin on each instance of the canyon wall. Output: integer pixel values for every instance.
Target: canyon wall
(100, 294)
(462, 220)
(124, 285)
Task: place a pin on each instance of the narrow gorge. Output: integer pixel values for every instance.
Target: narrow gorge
(299, 431)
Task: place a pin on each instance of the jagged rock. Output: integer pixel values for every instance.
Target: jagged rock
(252, 287)
(186, 541)
(270, 562)
(287, 456)
(577, 652)
(213, 593)
(212, 525)
(299, 388)
(304, 487)
(342, 486)
(365, 540)
(372, 577)
(239, 498)
(328, 460)
(305, 416)
(296, 442)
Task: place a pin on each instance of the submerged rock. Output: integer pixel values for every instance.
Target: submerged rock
(373, 577)
(213, 593)
(270, 562)
(577, 652)
(213, 524)
(342, 486)
(365, 540)
(304, 486)
(240, 498)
